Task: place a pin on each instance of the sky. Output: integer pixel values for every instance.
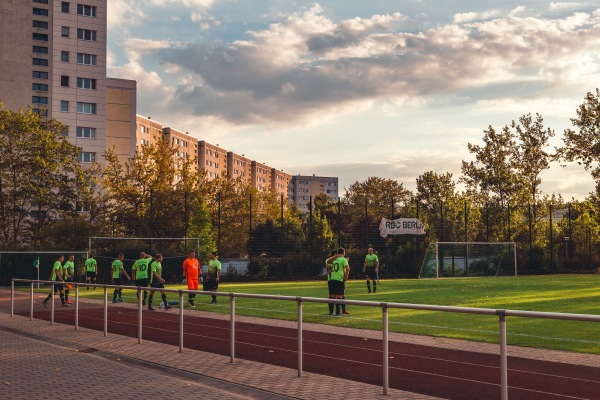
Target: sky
(355, 88)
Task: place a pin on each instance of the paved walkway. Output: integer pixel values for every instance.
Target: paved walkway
(40, 360)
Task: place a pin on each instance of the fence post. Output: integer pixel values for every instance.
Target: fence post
(231, 328)
(250, 232)
(386, 358)
(299, 300)
(105, 312)
(530, 238)
(140, 294)
(12, 297)
(551, 239)
(509, 227)
(76, 307)
(367, 222)
(218, 223)
(31, 301)
(180, 321)
(52, 303)
(503, 356)
(339, 221)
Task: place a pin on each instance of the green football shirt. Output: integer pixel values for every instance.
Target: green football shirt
(155, 267)
(371, 260)
(56, 269)
(90, 264)
(213, 267)
(141, 268)
(337, 269)
(117, 266)
(70, 267)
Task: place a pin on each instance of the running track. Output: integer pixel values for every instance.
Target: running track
(444, 373)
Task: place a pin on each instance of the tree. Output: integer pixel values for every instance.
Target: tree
(584, 146)
(39, 174)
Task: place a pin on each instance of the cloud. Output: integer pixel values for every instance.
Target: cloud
(306, 66)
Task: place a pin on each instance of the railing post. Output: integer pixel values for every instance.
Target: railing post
(386, 358)
(31, 301)
(299, 300)
(52, 303)
(105, 312)
(231, 328)
(180, 321)
(12, 297)
(140, 294)
(503, 356)
(76, 307)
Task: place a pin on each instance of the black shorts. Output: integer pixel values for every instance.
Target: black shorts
(90, 274)
(329, 286)
(210, 284)
(69, 280)
(58, 287)
(156, 284)
(117, 281)
(336, 288)
(370, 274)
(141, 282)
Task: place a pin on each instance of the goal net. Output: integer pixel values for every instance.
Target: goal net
(174, 250)
(462, 259)
(22, 264)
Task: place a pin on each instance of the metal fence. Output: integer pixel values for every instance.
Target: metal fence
(500, 313)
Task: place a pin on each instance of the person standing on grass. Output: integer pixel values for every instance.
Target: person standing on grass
(67, 273)
(371, 269)
(139, 273)
(156, 281)
(117, 271)
(213, 275)
(339, 270)
(91, 267)
(56, 276)
(191, 271)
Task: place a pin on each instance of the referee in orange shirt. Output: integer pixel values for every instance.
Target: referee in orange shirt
(191, 270)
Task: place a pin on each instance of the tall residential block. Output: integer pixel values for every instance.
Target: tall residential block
(212, 159)
(53, 58)
(303, 188)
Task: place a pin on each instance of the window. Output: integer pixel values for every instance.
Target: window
(87, 59)
(40, 87)
(41, 1)
(89, 11)
(40, 49)
(64, 105)
(86, 108)
(39, 100)
(87, 157)
(144, 129)
(40, 61)
(86, 34)
(65, 131)
(64, 31)
(65, 7)
(41, 111)
(40, 24)
(40, 75)
(86, 83)
(86, 132)
(64, 81)
(40, 11)
(64, 56)
(40, 36)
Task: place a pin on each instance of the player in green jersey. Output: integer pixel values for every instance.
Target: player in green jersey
(213, 275)
(328, 267)
(157, 281)
(339, 271)
(68, 273)
(139, 273)
(56, 275)
(91, 267)
(117, 271)
(371, 269)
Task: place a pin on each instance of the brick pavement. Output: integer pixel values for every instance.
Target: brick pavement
(125, 369)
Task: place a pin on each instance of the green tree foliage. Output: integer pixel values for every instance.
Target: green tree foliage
(583, 146)
(200, 227)
(39, 174)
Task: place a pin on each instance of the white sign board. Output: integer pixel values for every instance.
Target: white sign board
(401, 226)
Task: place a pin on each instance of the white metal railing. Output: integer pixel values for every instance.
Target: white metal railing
(502, 314)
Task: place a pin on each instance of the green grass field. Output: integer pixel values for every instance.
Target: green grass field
(557, 293)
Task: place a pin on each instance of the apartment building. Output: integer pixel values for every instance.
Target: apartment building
(213, 159)
(121, 104)
(280, 181)
(303, 188)
(147, 131)
(53, 58)
(239, 166)
(186, 146)
(260, 174)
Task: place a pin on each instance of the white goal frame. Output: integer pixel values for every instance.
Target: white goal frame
(437, 255)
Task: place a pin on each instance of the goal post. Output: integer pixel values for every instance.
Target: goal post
(463, 259)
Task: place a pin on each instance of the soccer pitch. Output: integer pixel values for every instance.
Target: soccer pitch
(578, 294)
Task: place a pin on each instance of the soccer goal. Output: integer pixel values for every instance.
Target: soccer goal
(174, 250)
(462, 259)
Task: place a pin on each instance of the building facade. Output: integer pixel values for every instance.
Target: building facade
(303, 188)
(212, 159)
(53, 59)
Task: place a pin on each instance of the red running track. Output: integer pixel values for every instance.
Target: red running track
(451, 374)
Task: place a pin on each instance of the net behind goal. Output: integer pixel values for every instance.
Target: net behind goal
(174, 251)
(462, 259)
